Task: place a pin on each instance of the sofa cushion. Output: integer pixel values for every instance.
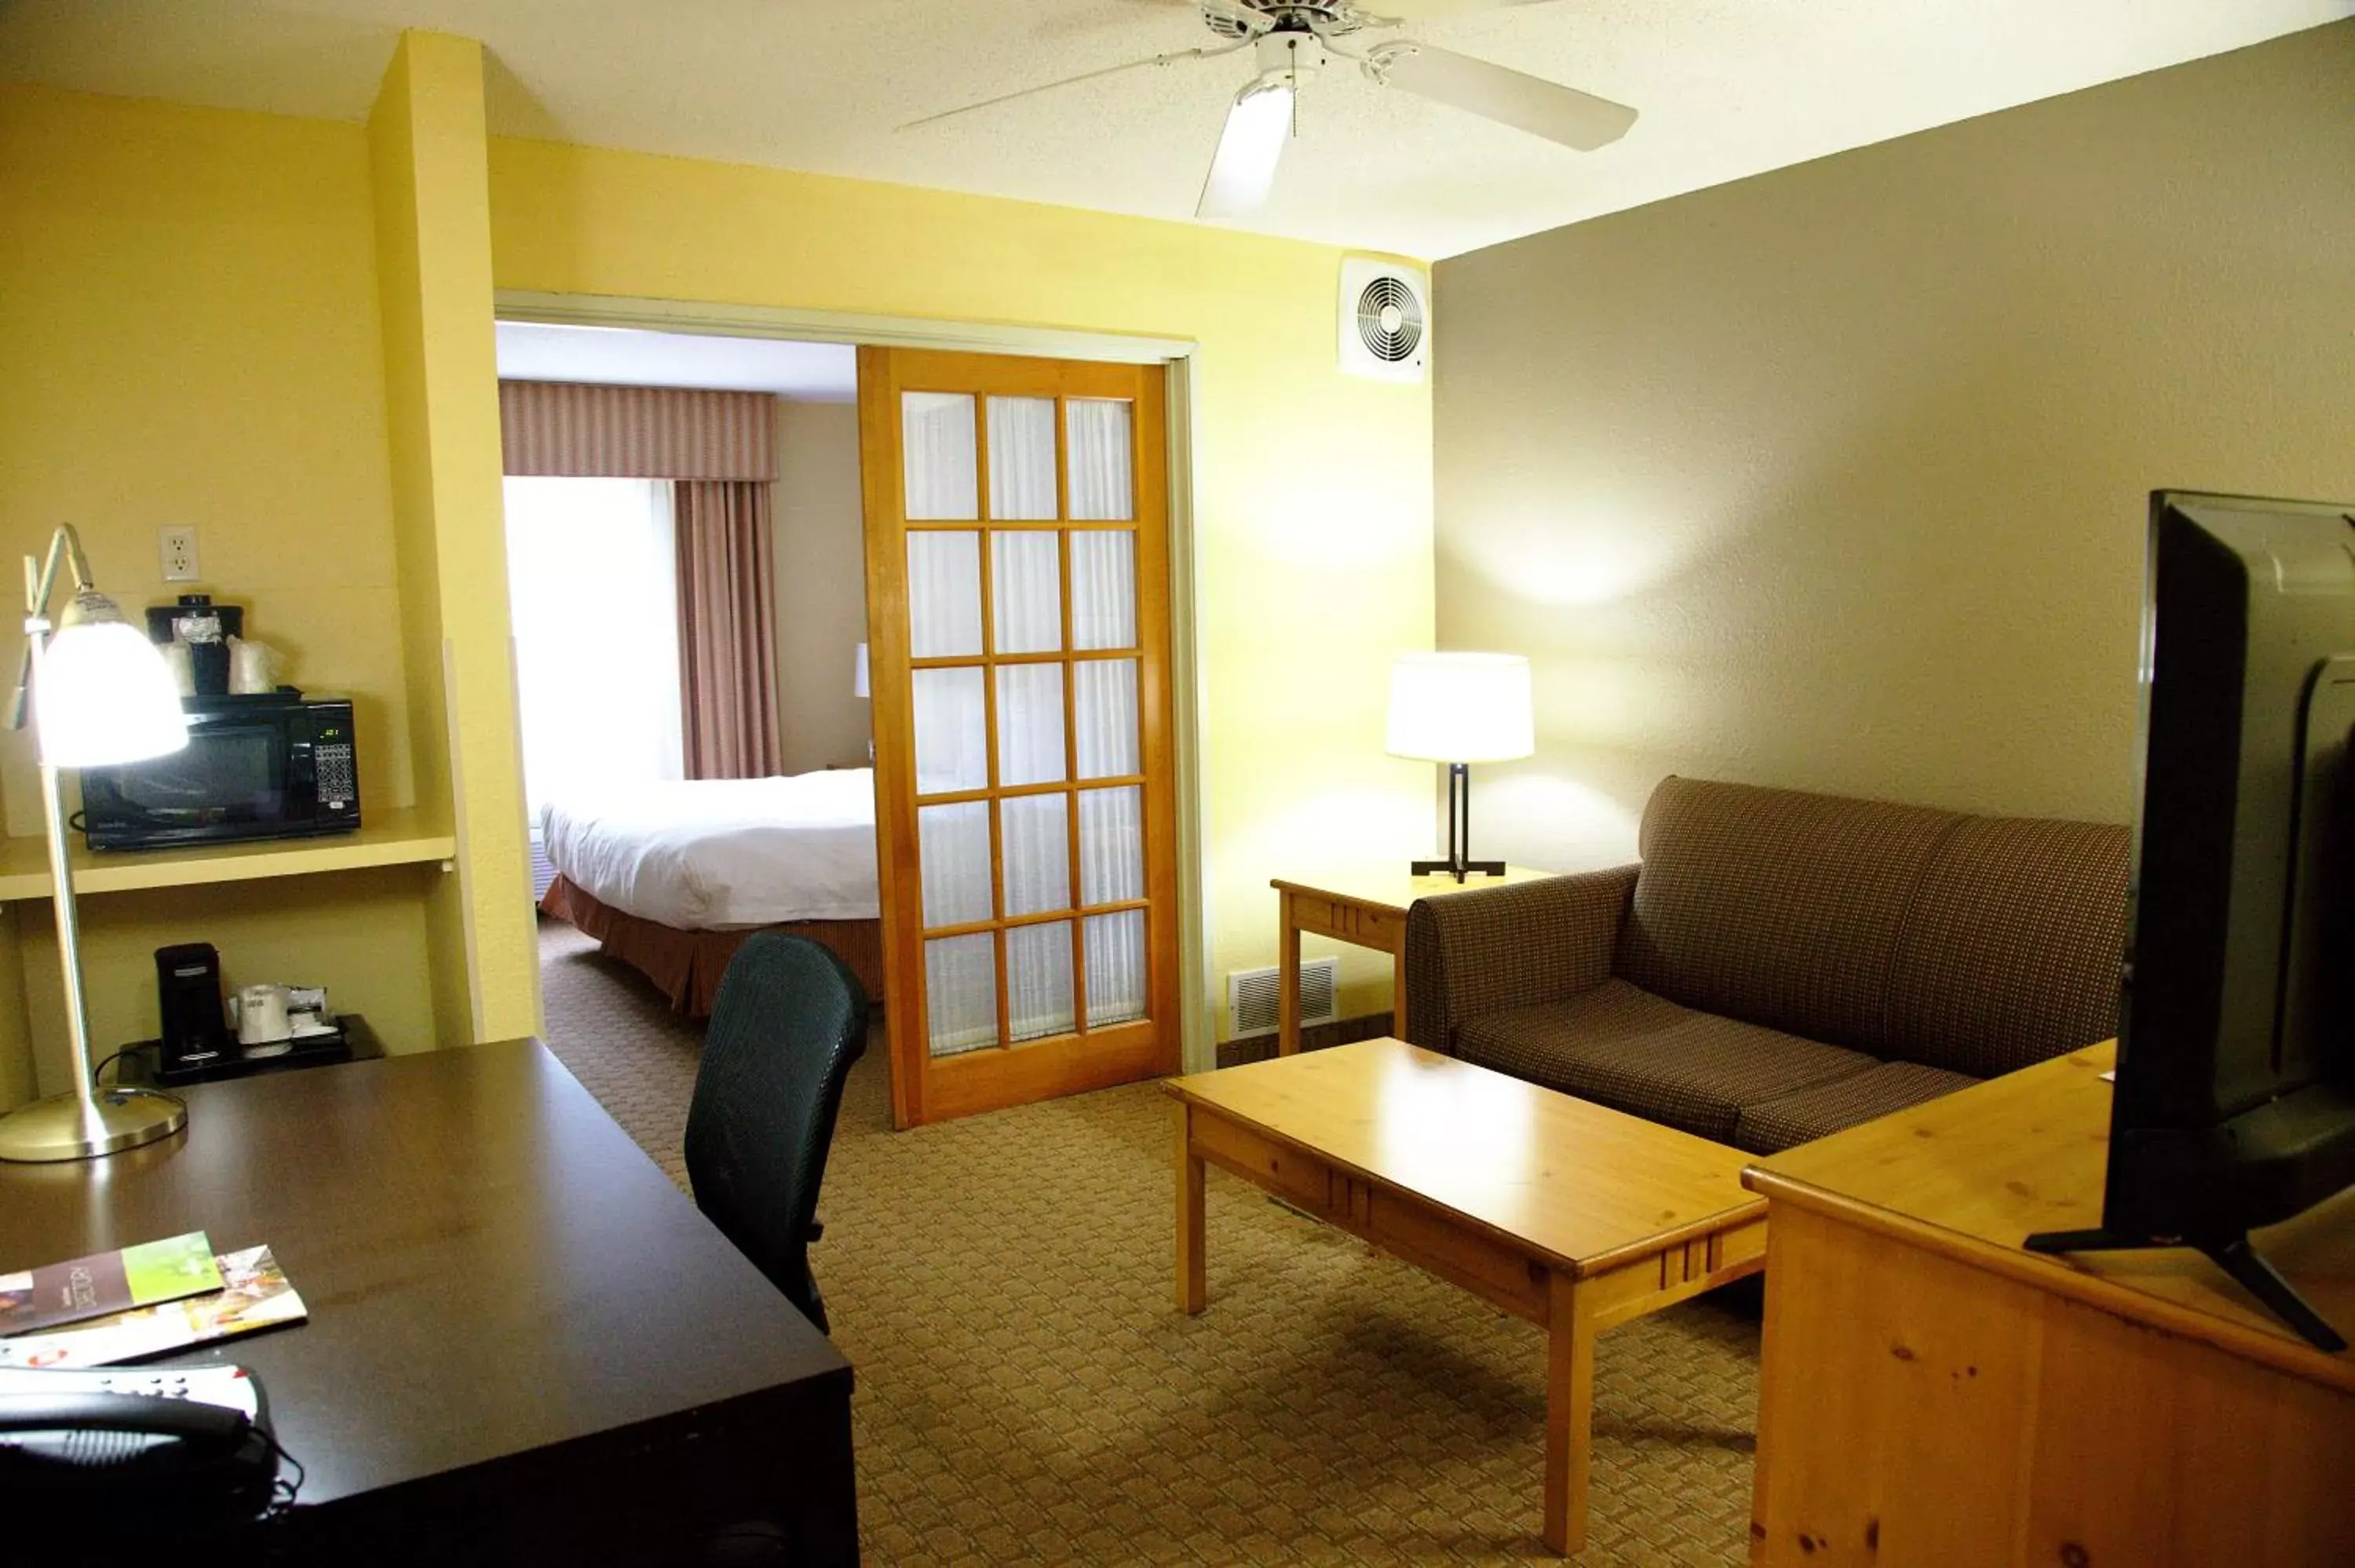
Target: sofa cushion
(1776, 907)
(1770, 1126)
(2011, 953)
(1635, 1052)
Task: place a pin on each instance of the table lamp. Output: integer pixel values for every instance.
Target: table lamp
(99, 693)
(1460, 708)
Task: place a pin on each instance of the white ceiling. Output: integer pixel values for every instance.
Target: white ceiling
(1727, 88)
(623, 356)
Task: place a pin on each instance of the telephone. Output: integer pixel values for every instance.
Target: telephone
(113, 1449)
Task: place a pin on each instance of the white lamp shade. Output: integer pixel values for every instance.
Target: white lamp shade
(105, 696)
(1460, 707)
(858, 679)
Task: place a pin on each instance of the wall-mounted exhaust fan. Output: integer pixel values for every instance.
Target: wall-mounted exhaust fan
(1290, 40)
(1385, 320)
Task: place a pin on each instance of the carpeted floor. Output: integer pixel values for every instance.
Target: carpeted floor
(1029, 1393)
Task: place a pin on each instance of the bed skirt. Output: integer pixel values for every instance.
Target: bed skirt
(687, 965)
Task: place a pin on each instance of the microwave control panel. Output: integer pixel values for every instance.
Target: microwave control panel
(336, 784)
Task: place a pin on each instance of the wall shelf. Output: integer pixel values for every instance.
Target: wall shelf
(388, 837)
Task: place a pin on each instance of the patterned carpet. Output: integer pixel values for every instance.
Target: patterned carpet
(1029, 1393)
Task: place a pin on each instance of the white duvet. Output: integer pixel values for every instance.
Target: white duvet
(709, 854)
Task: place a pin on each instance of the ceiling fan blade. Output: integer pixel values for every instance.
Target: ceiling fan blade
(1242, 170)
(1437, 10)
(1497, 93)
(1200, 54)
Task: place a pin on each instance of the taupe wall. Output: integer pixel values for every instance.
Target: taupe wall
(821, 585)
(1836, 477)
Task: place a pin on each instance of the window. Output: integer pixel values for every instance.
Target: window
(592, 579)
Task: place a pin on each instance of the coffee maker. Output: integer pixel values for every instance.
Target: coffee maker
(189, 995)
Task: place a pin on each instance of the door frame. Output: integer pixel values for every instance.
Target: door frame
(1176, 355)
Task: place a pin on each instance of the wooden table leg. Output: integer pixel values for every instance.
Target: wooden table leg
(1190, 1287)
(1569, 1413)
(1287, 982)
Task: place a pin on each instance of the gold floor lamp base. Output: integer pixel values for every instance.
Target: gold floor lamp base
(118, 1118)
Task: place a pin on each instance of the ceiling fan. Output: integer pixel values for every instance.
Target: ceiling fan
(1290, 40)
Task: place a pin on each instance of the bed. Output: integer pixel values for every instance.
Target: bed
(671, 877)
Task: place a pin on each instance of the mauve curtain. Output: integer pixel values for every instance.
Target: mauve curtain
(726, 629)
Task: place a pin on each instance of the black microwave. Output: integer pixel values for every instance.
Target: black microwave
(278, 764)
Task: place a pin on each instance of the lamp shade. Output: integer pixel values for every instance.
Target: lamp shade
(105, 696)
(1460, 707)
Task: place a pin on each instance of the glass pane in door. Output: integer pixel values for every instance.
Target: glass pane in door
(1117, 967)
(1038, 980)
(937, 456)
(961, 993)
(951, 735)
(1026, 584)
(1112, 845)
(944, 594)
(1022, 459)
(1096, 433)
(953, 851)
(1030, 724)
(1036, 834)
(1104, 707)
(1104, 587)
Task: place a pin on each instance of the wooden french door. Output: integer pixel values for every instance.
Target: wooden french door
(1017, 610)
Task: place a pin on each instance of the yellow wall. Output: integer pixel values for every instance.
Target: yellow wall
(188, 334)
(1312, 502)
(1836, 477)
(441, 379)
(193, 330)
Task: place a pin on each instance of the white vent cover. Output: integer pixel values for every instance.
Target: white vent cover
(1385, 320)
(1253, 995)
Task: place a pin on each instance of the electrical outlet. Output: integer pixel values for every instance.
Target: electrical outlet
(179, 554)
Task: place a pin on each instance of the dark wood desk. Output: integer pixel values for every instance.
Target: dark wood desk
(525, 1343)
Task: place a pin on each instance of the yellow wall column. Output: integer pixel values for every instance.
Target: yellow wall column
(428, 151)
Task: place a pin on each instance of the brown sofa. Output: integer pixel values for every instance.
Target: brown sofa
(1782, 965)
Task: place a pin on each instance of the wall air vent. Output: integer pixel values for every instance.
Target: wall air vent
(1385, 320)
(1252, 997)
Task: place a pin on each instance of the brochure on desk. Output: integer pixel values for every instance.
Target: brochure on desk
(253, 1295)
(107, 1283)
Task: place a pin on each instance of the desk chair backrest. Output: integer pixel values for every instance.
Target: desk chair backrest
(788, 1024)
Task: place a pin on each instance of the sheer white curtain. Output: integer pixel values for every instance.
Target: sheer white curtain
(1026, 615)
(591, 584)
(1096, 432)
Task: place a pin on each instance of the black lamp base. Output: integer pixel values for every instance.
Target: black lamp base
(1459, 870)
(1459, 863)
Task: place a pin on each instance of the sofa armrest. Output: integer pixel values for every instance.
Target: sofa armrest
(1499, 947)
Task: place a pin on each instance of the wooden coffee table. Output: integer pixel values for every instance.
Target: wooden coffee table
(1572, 1215)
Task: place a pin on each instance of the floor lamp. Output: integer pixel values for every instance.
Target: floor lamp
(1460, 708)
(99, 692)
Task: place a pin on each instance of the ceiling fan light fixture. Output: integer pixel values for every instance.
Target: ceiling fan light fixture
(1243, 171)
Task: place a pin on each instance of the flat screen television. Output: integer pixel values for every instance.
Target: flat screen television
(2234, 1106)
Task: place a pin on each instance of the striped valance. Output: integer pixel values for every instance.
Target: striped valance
(636, 432)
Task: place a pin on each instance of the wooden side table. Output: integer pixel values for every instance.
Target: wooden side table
(1367, 909)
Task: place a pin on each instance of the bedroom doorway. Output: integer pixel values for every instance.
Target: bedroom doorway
(1018, 607)
(692, 776)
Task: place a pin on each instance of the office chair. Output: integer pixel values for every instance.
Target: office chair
(788, 1024)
